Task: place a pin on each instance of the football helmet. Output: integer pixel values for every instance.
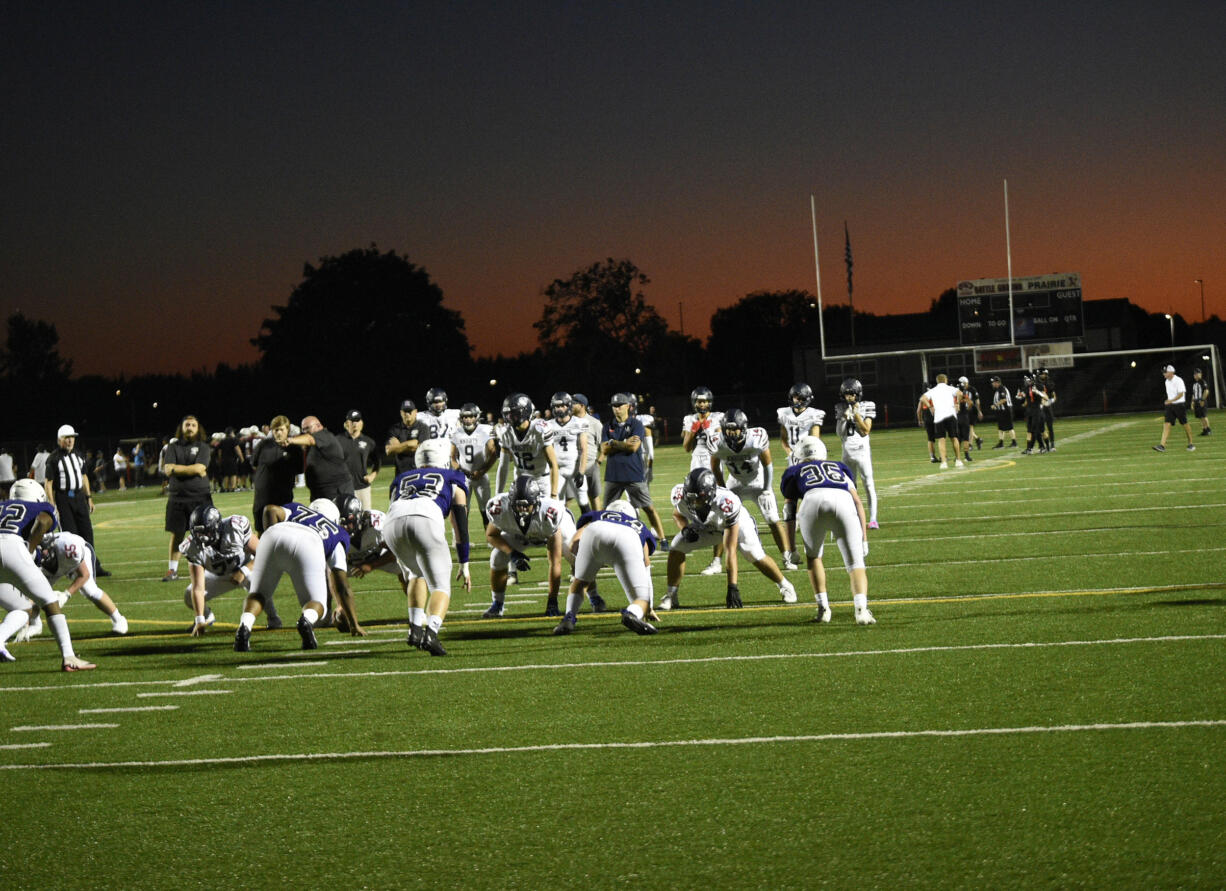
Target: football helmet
(701, 399)
(800, 397)
(809, 448)
(470, 416)
(700, 489)
(525, 500)
(734, 428)
(1042, 371)
(560, 404)
(46, 557)
(517, 409)
(1027, 380)
(436, 400)
(26, 489)
(622, 506)
(851, 387)
(327, 508)
(964, 382)
(205, 524)
(434, 453)
(353, 517)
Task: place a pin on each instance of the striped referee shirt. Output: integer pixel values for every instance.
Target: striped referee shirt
(66, 471)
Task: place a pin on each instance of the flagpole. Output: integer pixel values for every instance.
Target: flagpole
(817, 266)
(1009, 265)
(851, 306)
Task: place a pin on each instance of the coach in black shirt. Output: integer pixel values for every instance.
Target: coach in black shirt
(361, 456)
(277, 464)
(68, 489)
(403, 438)
(327, 474)
(187, 468)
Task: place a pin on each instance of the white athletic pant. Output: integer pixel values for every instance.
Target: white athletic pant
(825, 511)
(416, 532)
(296, 550)
(17, 567)
(747, 540)
(765, 498)
(612, 544)
(859, 460)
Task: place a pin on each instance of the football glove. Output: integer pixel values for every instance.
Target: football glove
(691, 533)
(734, 597)
(520, 562)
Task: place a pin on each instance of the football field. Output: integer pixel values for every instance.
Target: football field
(1042, 702)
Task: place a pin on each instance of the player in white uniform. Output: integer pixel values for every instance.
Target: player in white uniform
(829, 505)
(707, 513)
(529, 443)
(696, 431)
(796, 419)
(438, 417)
(741, 455)
(613, 537)
(68, 555)
(220, 553)
(569, 443)
(25, 518)
(523, 519)
(476, 452)
(308, 543)
(588, 477)
(853, 422)
(648, 421)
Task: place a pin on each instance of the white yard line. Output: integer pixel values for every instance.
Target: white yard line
(642, 744)
(186, 693)
(134, 708)
(280, 665)
(26, 728)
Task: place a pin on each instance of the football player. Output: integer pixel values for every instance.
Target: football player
(1031, 398)
(1047, 384)
(422, 499)
(476, 452)
(25, 518)
(68, 555)
(569, 443)
(707, 513)
(529, 443)
(968, 412)
(613, 537)
(1002, 408)
(696, 431)
(523, 519)
(799, 418)
(307, 542)
(742, 455)
(220, 553)
(588, 477)
(828, 504)
(648, 420)
(438, 417)
(854, 422)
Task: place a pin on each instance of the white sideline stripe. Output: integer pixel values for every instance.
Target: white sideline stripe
(1172, 638)
(8, 746)
(1046, 515)
(28, 727)
(186, 693)
(644, 744)
(1114, 555)
(131, 708)
(280, 665)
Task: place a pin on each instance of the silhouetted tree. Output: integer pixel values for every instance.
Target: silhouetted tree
(752, 341)
(31, 353)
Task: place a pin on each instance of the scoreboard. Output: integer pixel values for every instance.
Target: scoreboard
(1045, 307)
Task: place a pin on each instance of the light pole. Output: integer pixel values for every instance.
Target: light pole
(1170, 318)
(1201, 282)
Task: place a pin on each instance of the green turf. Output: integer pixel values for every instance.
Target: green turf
(1040, 703)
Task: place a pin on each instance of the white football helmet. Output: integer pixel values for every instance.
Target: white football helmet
(810, 448)
(327, 508)
(621, 506)
(27, 490)
(434, 453)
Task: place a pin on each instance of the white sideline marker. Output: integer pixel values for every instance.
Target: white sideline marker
(131, 708)
(10, 746)
(26, 728)
(185, 693)
(644, 744)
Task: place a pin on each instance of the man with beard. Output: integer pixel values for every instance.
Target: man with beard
(187, 468)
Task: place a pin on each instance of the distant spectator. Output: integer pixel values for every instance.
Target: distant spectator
(1176, 406)
(230, 456)
(8, 471)
(120, 463)
(138, 464)
(38, 467)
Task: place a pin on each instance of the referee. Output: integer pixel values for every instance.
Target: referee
(67, 488)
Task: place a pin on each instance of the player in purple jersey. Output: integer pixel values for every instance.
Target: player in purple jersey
(416, 532)
(828, 503)
(24, 520)
(613, 537)
(309, 544)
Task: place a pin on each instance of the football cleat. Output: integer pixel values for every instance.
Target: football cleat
(788, 565)
(665, 546)
(670, 601)
(430, 642)
(598, 604)
(872, 524)
(957, 464)
(635, 624)
(5, 655)
(1159, 448)
(494, 612)
(1191, 448)
(864, 617)
(512, 577)
(274, 621)
(566, 626)
(787, 591)
(171, 575)
(715, 567)
(823, 614)
(934, 460)
(551, 608)
(944, 465)
(33, 628)
(76, 663)
(242, 639)
(307, 632)
(416, 632)
(119, 625)
(999, 445)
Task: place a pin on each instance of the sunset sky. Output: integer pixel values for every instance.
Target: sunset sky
(169, 168)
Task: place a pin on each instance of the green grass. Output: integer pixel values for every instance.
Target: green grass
(1040, 703)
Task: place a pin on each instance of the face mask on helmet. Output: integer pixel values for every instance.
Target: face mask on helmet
(436, 400)
(470, 417)
(733, 429)
(700, 491)
(801, 397)
(525, 499)
(205, 524)
(701, 400)
(560, 405)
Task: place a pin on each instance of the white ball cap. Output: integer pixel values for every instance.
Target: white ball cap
(65, 430)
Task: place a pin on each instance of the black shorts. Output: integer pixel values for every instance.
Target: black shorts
(1004, 420)
(964, 428)
(179, 511)
(947, 427)
(929, 429)
(1198, 410)
(1177, 414)
(1034, 424)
